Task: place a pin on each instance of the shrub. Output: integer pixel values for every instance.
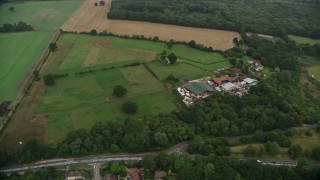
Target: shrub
(129, 107)
(49, 79)
(119, 91)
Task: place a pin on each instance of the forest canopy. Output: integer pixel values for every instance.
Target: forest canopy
(263, 16)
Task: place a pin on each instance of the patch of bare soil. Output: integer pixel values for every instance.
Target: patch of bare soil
(90, 17)
(92, 57)
(25, 125)
(146, 55)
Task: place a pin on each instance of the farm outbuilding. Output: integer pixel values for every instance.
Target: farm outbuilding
(198, 88)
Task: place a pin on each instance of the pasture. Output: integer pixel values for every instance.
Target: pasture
(20, 51)
(80, 100)
(304, 40)
(315, 72)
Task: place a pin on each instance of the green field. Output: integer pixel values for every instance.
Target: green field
(304, 40)
(20, 51)
(80, 100)
(315, 71)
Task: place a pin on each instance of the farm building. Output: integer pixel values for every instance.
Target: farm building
(199, 88)
(250, 81)
(74, 175)
(223, 79)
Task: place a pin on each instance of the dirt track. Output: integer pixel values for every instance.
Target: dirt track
(89, 17)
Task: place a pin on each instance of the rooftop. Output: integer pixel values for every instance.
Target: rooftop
(199, 88)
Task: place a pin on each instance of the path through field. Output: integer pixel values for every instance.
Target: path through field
(89, 17)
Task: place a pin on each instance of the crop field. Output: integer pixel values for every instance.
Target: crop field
(81, 21)
(315, 71)
(20, 51)
(304, 40)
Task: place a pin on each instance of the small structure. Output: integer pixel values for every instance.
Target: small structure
(74, 175)
(250, 81)
(135, 173)
(236, 71)
(223, 79)
(229, 86)
(110, 177)
(256, 65)
(199, 88)
(160, 175)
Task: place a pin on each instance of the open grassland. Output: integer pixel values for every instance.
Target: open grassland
(20, 51)
(89, 17)
(304, 40)
(315, 71)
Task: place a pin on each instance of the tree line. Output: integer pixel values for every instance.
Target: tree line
(21, 26)
(267, 17)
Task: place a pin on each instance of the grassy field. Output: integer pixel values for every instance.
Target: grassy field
(306, 143)
(82, 99)
(315, 71)
(19, 51)
(304, 40)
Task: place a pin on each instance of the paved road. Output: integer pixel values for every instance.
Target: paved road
(181, 148)
(96, 171)
(74, 161)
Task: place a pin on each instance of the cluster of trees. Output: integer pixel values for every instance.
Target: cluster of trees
(267, 17)
(21, 26)
(49, 173)
(221, 168)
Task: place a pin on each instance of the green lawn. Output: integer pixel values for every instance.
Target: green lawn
(304, 40)
(315, 71)
(179, 70)
(19, 51)
(185, 52)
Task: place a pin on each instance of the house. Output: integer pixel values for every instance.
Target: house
(223, 79)
(199, 88)
(135, 173)
(236, 71)
(74, 175)
(229, 86)
(250, 81)
(256, 65)
(110, 177)
(160, 175)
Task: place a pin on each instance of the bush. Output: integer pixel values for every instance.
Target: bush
(119, 91)
(272, 148)
(49, 79)
(93, 32)
(295, 151)
(130, 107)
(172, 58)
(53, 46)
(249, 151)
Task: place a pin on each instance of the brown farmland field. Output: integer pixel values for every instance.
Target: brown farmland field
(89, 17)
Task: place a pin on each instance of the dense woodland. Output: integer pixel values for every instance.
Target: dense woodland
(264, 16)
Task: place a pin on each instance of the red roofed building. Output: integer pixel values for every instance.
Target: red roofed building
(223, 79)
